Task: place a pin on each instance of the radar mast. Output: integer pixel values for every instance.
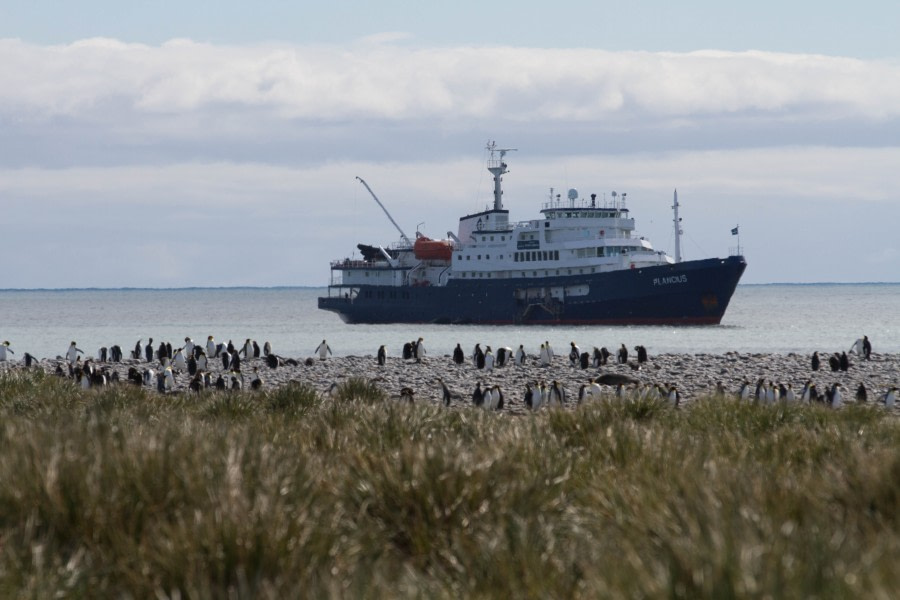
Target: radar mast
(497, 167)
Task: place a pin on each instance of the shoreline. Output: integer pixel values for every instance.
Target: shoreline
(694, 375)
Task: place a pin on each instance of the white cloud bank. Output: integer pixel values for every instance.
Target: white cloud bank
(374, 80)
(161, 165)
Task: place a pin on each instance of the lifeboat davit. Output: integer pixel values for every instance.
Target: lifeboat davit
(428, 249)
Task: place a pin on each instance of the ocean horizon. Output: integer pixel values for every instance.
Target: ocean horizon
(761, 318)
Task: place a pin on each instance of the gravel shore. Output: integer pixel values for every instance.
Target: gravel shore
(694, 375)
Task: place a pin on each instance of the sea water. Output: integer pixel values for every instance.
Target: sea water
(760, 318)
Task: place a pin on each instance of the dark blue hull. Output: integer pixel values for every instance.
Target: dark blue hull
(693, 292)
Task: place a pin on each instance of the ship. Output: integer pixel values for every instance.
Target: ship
(580, 263)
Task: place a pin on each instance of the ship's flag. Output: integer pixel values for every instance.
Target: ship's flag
(734, 231)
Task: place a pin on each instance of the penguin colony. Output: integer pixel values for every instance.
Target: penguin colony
(500, 378)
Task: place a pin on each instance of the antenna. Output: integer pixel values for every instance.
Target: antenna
(497, 168)
(678, 231)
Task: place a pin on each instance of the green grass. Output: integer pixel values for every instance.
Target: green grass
(288, 493)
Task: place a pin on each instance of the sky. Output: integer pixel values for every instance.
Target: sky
(176, 144)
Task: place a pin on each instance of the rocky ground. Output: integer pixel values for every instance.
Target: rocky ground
(694, 375)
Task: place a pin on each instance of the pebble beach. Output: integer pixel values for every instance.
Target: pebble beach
(694, 375)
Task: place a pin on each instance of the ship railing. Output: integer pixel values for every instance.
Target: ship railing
(610, 227)
(583, 203)
(350, 263)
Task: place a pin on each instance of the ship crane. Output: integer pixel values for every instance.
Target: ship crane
(402, 235)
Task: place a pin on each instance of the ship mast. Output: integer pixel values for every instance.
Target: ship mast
(678, 230)
(497, 168)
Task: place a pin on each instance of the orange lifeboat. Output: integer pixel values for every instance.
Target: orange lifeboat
(428, 249)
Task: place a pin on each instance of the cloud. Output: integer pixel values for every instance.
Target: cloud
(378, 80)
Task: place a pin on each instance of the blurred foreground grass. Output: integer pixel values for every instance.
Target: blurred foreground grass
(121, 492)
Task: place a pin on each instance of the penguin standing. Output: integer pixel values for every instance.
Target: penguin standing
(211, 347)
(496, 402)
(420, 350)
(545, 356)
(4, 348)
(72, 353)
(530, 398)
(504, 355)
(138, 351)
(488, 360)
(382, 355)
(256, 350)
(867, 347)
(478, 395)
(557, 395)
(787, 393)
(478, 357)
(201, 360)
(585, 360)
(178, 362)
(267, 349)
(861, 393)
(844, 362)
(574, 354)
(622, 356)
(188, 346)
(834, 396)
(459, 356)
(834, 361)
(674, 396)
(170, 379)
(29, 360)
(247, 350)
(641, 354)
(760, 395)
(323, 350)
(446, 394)
(815, 361)
(520, 356)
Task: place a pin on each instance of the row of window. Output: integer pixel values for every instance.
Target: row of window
(536, 255)
(382, 295)
(540, 255)
(546, 273)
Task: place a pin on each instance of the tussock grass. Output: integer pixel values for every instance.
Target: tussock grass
(284, 493)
